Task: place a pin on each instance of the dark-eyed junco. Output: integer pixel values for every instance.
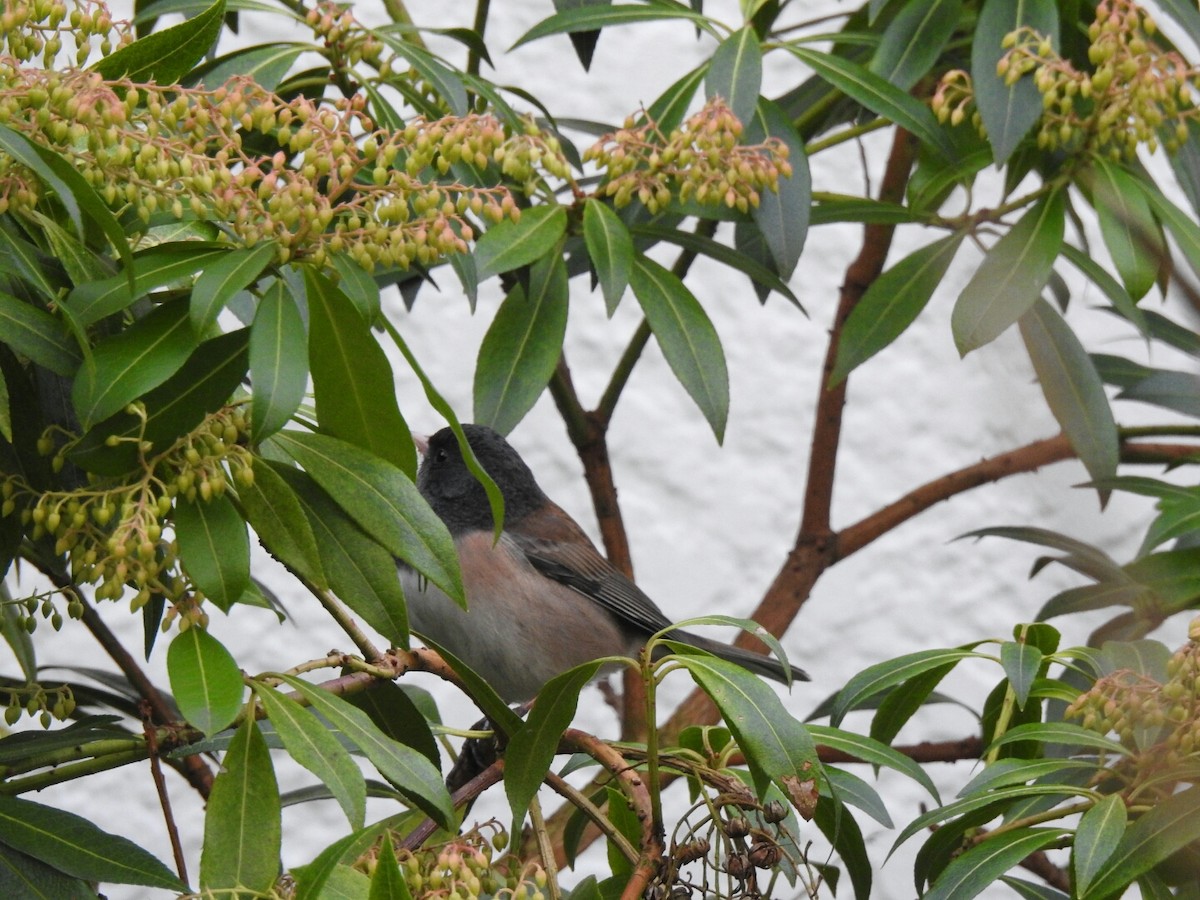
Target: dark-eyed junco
(540, 600)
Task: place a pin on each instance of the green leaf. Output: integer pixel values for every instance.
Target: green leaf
(509, 245)
(242, 828)
(592, 18)
(873, 679)
(24, 877)
(1115, 291)
(446, 82)
(387, 883)
(1096, 839)
(357, 284)
(359, 571)
(21, 259)
(532, 748)
(277, 517)
(1186, 14)
(1011, 276)
(783, 216)
(687, 338)
(168, 55)
(314, 746)
(833, 208)
(892, 303)
(1128, 226)
(1073, 390)
(1058, 733)
(1021, 663)
(976, 870)
(128, 364)
(672, 105)
(214, 548)
(778, 749)
(352, 379)
(872, 751)
(735, 73)
(852, 790)
(522, 346)
(880, 97)
(152, 268)
(12, 625)
(205, 680)
(904, 700)
(610, 249)
(1171, 825)
(266, 65)
(218, 283)
(35, 333)
(1182, 226)
(410, 772)
(842, 831)
(1178, 391)
(403, 714)
(1006, 772)
(995, 802)
(914, 39)
(1008, 111)
(73, 845)
(384, 501)
(278, 370)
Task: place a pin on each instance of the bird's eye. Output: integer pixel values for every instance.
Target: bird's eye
(441, 456)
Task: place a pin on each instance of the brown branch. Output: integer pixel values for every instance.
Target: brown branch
(924, 752)
(164, 798)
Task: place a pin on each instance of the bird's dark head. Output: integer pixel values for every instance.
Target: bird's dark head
(458, 497)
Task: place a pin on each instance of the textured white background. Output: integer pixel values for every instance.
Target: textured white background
(709, 525)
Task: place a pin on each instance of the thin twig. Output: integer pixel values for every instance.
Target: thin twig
(164, 799)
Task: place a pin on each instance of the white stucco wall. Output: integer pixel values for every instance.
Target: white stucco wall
(709, 525)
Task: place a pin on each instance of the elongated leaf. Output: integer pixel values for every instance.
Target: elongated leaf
(387, 883)
(873, 679)
(532, 749)
(1011, 276)
(872, 751)
(274, 512)
(446, 81)
(73, 845)
(30, 879)
(1169, 826)
(974, 871)
(610, 249)
(214, 548)
(21, 259)
(880, 97)
(1073, 390)
(672, 105)
(522, 346)
(219, 282)
(1130, 231)
(12, 626)
(892, 303)
(265, 64)
(35, 333)
(149, 269)
(778, 749)
(1178, 391)
(242, 828)
(1186, 15)
(352, 379)
(384, 501)
(278, 365)
(687, 338)
(843, 833)
(832, 209)
(1182, 226)
(166, 56)
(994, 802)
(914, 39)
(735, 73)
(1021, 664)
(130, 363)
(592, 18)
(1006, 772)
(853, 791)
(783, 215)
(509, 245)
(1096, 839)
(313, 745)
(205, 680)
(904, 700)
(1115, 291)
(411, 773)
(1059, 733)
(1008, 111)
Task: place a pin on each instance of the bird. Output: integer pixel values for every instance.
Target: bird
(541, 599)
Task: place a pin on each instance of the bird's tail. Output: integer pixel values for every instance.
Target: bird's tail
(758, 663)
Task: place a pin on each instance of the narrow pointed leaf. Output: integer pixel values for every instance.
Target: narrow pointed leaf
(410, 772)
(242, 827)
(872, 751)
(610, 249)
(892, 303)
(1008, 111)
(1183, 227)
(30, 879)
(783, 216)
(214, 548)
(1021, 664)
(274, 512)
(687, 338)
(35, 333)
(130, 363)
(592, 18)
(1130, 231)
(73, 845)
(509, 245)
(278, 362)
(914, 39)
(352, 379)
(1059, 733)
(219, 282)
(672, 105)
(522, 346)
(168, 55)
(1096, 839)
(976, 870)
(873, 679)
(1010, 278)
(1073, 390)
(1122, 302)
(852, 790)
(205, 680)
(266, 65)
(314, 746)
(384, 501)
(387, 882)
(735, 73)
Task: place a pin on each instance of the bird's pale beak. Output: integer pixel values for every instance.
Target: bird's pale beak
(422, 442)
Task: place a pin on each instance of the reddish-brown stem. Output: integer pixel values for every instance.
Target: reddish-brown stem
(164, 799)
